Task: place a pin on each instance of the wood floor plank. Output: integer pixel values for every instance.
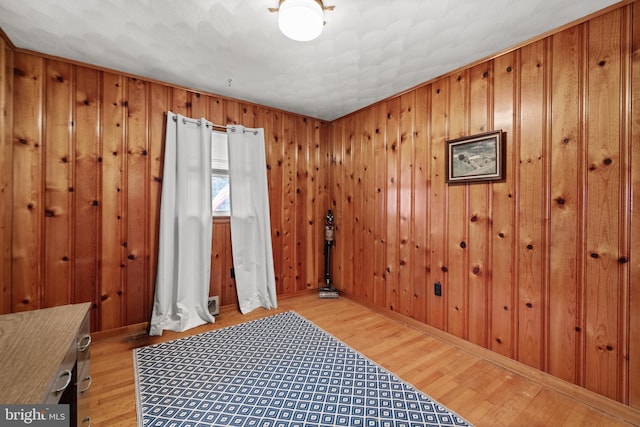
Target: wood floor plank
(480, 391)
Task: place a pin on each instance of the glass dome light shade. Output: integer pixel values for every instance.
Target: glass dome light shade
(300, 20)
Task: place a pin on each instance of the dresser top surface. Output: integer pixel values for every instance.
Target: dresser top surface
(33, 345)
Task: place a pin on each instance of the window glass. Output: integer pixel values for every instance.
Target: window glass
(220, 194)
(220, 202)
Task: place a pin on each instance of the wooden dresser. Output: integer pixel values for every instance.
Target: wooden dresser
(44, 358)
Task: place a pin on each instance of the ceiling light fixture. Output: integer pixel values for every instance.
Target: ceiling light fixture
(301, 20)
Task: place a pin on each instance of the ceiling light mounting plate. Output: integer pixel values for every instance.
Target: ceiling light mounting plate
(276, 9)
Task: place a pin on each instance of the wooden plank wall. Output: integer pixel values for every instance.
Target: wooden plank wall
(537, 267)
(6, 149)
(87, 158)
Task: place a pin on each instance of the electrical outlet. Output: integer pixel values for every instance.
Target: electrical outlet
(214, 305)
(437, 289)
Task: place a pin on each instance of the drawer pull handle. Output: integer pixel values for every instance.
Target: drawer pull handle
(84, 342)
(87, 420)
(66, 384)
(86, 379)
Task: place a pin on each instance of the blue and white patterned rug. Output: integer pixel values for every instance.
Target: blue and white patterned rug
(279, 371)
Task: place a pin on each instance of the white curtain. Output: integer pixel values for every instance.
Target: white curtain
(184, 256)
(250, 220)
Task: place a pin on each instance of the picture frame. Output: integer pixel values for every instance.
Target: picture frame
(475, 158)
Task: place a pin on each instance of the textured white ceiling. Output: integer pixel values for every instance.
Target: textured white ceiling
(368, 51)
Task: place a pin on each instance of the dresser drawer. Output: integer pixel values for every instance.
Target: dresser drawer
(83, 347)
(65, 378)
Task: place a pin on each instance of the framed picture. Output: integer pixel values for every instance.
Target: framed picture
(475, 158)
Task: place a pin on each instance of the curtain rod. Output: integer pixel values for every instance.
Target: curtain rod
(213, 126)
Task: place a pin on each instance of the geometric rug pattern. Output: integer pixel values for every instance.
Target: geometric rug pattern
(278, 371)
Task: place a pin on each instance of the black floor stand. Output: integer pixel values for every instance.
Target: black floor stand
(328, 291)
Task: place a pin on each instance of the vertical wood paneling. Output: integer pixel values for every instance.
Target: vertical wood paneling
(624, 229)
(217, 110)
(436, 305)
(379, 163)
(337, 201)
(357, 200)
(634, 256)
(533, 267)
(565, 260)
(86, 187)
(111, 307)
(137, 202)
(479, 216)
(180, 103)
(367, 286)
(303, 234)
(322, 196)
(502, 310)
(313, 217)
(6, 172)
(456, 238)
(406, 192)
(420, 217)
(217, 278)
(28, 198)
(248, 114)
(58, 172)
(531, 204)
(393, 202)
(289, 211)
(347, 223)
(199, 105)
(221, 260)
(602, 206)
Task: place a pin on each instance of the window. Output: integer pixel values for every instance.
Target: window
(220, 204)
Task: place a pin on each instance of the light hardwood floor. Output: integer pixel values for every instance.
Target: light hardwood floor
(479, 390)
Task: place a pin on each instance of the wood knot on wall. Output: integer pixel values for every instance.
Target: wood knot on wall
(603, 347)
